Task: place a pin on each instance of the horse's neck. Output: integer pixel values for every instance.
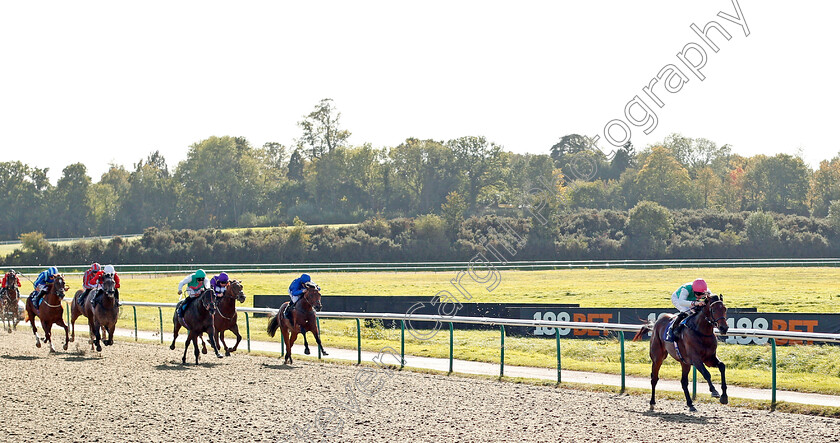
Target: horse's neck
(107, 301)
(227, 305)
(700, 323)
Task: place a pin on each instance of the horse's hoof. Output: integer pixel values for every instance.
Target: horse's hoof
(306, 351)
(183, 361)
(227, 353)
(37, 344)
(204, 350)
(99, 349)
(651, 408)
(220, 355)
(724, 399)
(65, 346)
(715, 394)
(324, 352)
(172, 347)
(692, 409)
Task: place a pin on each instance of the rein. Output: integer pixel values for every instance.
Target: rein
(708, 319)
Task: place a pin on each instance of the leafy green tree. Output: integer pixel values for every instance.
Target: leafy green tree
(295, 168)
(825, 186)
(22, 198)
(425, 171)
(321, 130)
(648, 227)
(578, 157)
(779, 183)
(663, 180)
(151, 199)
(480, 163)
(695, 154)
(70, 209)
(222, 178)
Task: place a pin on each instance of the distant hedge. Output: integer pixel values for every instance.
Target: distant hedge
(579, 235)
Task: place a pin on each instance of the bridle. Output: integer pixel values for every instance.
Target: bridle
(231, 295)
(713, 321)
(59, 291)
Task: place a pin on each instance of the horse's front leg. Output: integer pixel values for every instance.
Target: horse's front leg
(211, 336)
(684, 383)
(31, 314)
(317, 334)
(61, 323)
(706, 375)
(235, 330)
(47, 326)
(305, 343)
(724, 399)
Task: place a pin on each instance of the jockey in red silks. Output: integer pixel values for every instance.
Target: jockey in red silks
(89, 281)
(100, 279)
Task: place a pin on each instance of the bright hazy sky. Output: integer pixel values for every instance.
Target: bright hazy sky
(102, 82)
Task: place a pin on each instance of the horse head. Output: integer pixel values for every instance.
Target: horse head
(58, 286)
(313, 296)
(208, 301)
(234, 289)
(109, 286)
(715, 313)
(11, 280)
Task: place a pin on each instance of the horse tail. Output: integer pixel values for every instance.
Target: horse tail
(647, 327)
(273, 324)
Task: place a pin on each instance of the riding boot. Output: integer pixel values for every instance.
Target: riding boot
(676, 325)
(117, 297)
(290, 309)
(94, 300)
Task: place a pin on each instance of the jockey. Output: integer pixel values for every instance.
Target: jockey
(111, 272)
(296, 290)
(219, 283)
(45, 278)
(196, 284)
(89, 281)
(686, 298)
(3, 283)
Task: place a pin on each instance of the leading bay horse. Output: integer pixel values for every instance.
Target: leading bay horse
(225, 319)
(198, 319)
(697, 346)
(303, 319)
(9, 302)
(101, 318)
(50, 312)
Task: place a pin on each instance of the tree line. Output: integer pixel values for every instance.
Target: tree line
(320, 178)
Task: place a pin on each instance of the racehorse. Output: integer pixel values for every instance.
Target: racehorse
(198, 319)
(303, 319)
(9, 303)
(697, 346)
(103, 317)
(50, 312)
(225, 319)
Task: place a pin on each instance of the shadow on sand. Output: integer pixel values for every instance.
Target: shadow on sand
(679, 417)
(20, 357)
(283, 367)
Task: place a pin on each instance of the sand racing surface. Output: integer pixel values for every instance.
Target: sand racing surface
(141, 393)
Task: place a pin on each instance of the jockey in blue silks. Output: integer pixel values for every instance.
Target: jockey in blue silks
(45, 278)
(296, 290)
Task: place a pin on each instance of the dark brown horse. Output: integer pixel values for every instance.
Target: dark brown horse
(198, 319)
(696, 346)
(101, 318)
(9, 302)
(50, 312)
(303, 319)
(226, 315)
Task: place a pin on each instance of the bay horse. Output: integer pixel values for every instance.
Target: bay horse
(198, 319)
(9, 302)
(50, 312)
(696, 346)
(225, 319)
(101, 318)
(303, 319)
